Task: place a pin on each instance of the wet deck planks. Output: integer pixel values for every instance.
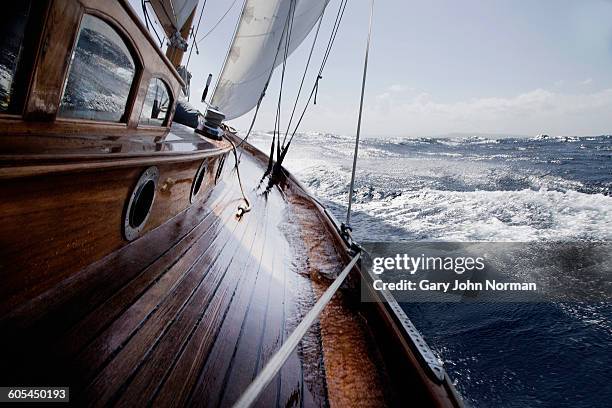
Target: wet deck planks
(194, 324)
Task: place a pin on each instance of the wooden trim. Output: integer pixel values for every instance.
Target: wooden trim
(52, 60)
(10, 116)
(14, 125)
(139, 100)
(22, 79)
(148, 160)
(97, 123)
(59, 36)
(171, 104)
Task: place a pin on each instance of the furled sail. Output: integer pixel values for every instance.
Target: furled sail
(173, 14)
(256, 49)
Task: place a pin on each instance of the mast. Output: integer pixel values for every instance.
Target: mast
(175, 51)
(176, 17)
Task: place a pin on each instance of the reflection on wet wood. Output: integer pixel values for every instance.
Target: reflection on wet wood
(66, 214)
(192, 311)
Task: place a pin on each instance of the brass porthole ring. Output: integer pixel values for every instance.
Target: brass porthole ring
(140, 204)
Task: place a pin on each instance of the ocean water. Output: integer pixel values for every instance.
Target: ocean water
(484, 189)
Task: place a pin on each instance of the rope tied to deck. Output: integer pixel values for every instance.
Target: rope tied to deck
(246, 207)
(274, 365)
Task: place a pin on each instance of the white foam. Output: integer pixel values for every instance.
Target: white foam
(522, 215)
(445, 199)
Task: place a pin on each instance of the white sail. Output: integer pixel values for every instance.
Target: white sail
(255, 50)
(173, 14)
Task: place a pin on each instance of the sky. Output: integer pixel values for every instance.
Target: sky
(499, 67)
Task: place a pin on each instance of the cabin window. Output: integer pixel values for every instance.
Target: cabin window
(13, 21)
(100, 76)
(156, 104)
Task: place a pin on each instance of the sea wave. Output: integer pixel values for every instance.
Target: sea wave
(467, 189)
(483, 189)
(467, 214)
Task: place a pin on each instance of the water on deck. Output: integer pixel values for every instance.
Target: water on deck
(191, 312)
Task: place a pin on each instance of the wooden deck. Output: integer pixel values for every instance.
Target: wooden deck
(189, 313)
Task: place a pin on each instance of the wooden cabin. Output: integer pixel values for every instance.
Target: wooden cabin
(77, 134)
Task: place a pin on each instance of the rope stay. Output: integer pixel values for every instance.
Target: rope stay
(148, 20)
(263, 92)
(199, 40)
(242, 209)
(277, 120)
(194, 43)
(284, 147)
(274, 365)
(297, 98)
(347, 225)
(332, 38)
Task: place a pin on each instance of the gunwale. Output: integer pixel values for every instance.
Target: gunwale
(404, 361)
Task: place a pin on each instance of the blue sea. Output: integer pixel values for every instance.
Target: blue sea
(476, 188)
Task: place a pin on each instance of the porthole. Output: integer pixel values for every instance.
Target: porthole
(140, 203)
(198, 180)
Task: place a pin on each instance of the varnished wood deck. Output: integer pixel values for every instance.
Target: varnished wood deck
(191, 312)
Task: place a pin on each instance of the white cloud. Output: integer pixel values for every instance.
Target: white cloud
(587, 81)
(413, 113)
(398, 88)
(532, 112)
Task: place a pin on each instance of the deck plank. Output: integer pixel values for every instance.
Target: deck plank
(209, 266)
(152, 372)
(213, 377)
(179, 383)
(196, 317)
(244, 363)
(108, 312)
(180, 278)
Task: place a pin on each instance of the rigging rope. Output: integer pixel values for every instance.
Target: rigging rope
(315, 87)
(284, 148)
(363, 82)
(330, 44)
(277, 120)
(263, 92)
(148, 20)
(193, 42)
(267, 374)
(217, 23)
(241, 209)
(297, 98)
